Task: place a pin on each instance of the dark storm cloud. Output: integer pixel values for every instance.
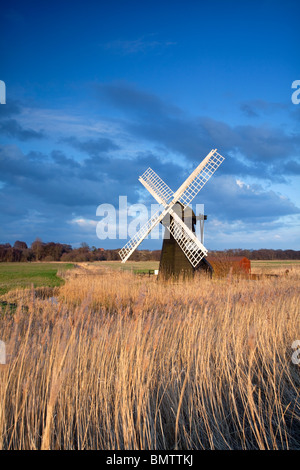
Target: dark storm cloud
(11, 128)
(92, 147)
(41, 194)
(55, 180)
(148, 117)
(17, 168)
(193, 138)
(256, 108)
(64, 162)
(60, 179)
(266, 144)
(292, 167)
(248, 110)
(11, 108)
(134, 101)
(46, 189)
(125, 172)
(232, 200)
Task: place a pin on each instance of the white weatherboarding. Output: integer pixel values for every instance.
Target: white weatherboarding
(186, 239)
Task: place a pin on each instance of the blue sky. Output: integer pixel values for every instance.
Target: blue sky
(98, 91)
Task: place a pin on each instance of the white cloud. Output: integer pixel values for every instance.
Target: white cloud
(84, 223)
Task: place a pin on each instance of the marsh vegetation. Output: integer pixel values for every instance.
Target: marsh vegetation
(121, 361)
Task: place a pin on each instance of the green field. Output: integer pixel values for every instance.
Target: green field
(277, 262)
(274, 266)
(24, 275)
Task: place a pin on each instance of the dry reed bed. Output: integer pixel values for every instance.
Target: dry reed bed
(125, 362)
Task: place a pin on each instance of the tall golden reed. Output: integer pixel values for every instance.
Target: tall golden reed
(126, 362)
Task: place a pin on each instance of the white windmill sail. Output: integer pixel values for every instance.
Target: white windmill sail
(157, 187)
(186, 239)
(195, 182)
(188, 242)
(191, 186)
(134, 242)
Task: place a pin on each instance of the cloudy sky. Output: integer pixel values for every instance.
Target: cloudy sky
(98, 91)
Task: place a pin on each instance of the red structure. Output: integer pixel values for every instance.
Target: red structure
(241, 264)
(224, 265)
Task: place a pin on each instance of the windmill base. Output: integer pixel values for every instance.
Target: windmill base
(174, 264)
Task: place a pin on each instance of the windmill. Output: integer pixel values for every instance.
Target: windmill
(183, 251)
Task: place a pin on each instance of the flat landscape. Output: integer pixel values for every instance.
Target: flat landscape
(274, 266)
(25, 275)
(43, 274)
(114, 359)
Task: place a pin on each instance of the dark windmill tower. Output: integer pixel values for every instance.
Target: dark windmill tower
(182, 252)
(173, 262)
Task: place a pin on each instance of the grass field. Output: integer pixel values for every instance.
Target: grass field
(121, 361)
(274, 266)
(261, 266)
(24, 275)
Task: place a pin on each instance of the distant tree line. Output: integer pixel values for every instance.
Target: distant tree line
(263, 253)
(40, 251)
